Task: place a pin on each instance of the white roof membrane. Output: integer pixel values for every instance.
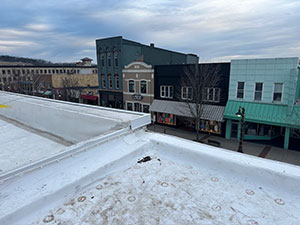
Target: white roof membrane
(183, 183)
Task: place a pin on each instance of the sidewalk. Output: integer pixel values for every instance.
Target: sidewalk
(260, 150)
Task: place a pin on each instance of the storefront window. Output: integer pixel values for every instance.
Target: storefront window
(137, 107)
(210, 126)
(256, 129)
(146, 108)
(166, 118)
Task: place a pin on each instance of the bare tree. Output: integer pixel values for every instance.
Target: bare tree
(69, 84)
(195, 86)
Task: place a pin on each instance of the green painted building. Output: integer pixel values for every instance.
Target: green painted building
(268, 89)
(116, 52)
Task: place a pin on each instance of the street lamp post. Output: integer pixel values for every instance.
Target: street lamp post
(241, 113)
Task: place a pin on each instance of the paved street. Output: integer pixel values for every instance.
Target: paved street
(260, 150)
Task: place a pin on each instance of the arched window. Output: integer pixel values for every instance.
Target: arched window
(108, 59)
(117, 81)
(103, 81)
(102, 59)
(116, 59)
(110, 83)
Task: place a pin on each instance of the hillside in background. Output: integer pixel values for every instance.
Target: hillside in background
(13, 60)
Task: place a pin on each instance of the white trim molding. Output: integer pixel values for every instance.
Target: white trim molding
(138, 63)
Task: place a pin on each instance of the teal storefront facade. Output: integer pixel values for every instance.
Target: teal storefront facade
(268, 90)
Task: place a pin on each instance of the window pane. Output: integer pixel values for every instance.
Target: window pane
(240, 85)
(257, 96)
(103, 81)
(190, 93)
(210, 94)
(137, 107)
(277, 97)
(240, 90)
(183, 93)
(162, 91)
(146, 108)
(258, 86)
(131, 86)
(143, 87)
(116, 59)
(167, 92)
(278, 87)
(110, 81)
(117, 83)
(217, 94)
(129, 106)
(171, 91)
(204, 94)
(240, 94)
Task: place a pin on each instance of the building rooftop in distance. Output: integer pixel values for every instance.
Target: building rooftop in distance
(119, 173)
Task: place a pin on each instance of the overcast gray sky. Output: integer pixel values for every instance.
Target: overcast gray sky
(216, 30)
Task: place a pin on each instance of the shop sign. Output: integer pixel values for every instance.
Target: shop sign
(137, 97)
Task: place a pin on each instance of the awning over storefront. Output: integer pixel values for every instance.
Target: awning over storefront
(272, 114)
(89, 97)
(210, 112)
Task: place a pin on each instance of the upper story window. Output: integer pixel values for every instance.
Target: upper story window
(166, 91)
(110, 82)
(277, 96)
(3, 72)
(258, 91)
(211, 94)
(143, 85)
(108, 59)
(8, 71)
(131, 86)
(103, 81)
(240, 90)
(187, 93)
(117, 81)
(102, 59)
(116, 59)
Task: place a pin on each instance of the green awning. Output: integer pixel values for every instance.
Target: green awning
(264, 113)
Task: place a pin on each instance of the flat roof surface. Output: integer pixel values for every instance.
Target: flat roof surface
(21, 145)
(33, 129)
(183, 183)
